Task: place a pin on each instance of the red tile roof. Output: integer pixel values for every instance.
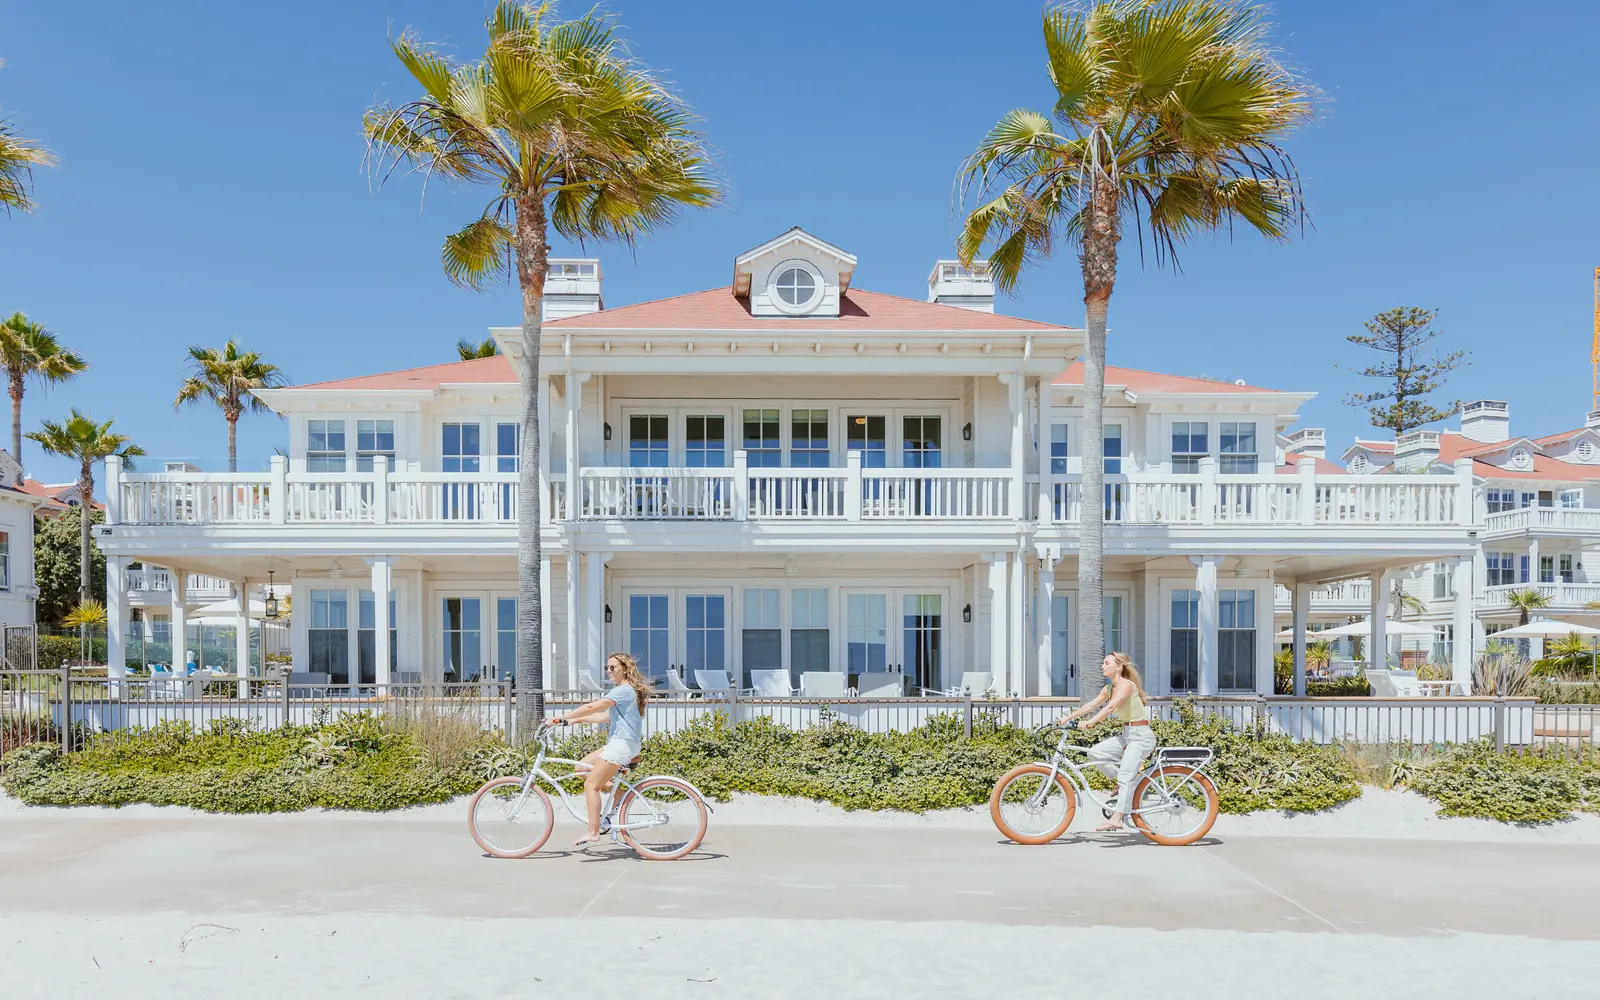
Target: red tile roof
(1453, 445)
(494, 371)
(1324, 467)
(719, 309)
(1138, 380)
(48, 492)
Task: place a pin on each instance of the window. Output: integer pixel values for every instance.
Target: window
(796, 286)
(1571, 499)
(374, 438)
(762, 441)
(921, 443)
(324, 445)
(762, 635)
(1185, 641)
(1061, 652)
(1113, 449)
(5, 560)
(649, 447)
(1188, 445)
(505, 636)
(866, 633)
(922, 633)
(1585, 450)
(1500, 500)
(1528, 499)
(367, 638)
(1236, 640)
(705, 633)
(1501, 568)
(1443, 643)
(462, 448)
(1441, 581)
(329, 635)
(1547, 569)
(507, 448)
(705, 442)
(463, 638)
(1237, 443)
(1060, 448)
(161, 629)
(868, 435)
(648, 633)
(808, 439)
(1565, 563)
(1112, 607)
(808, 631)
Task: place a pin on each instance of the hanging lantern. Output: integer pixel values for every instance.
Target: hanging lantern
(272, 598)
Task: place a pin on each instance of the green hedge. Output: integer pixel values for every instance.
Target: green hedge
(361, 763)
(1510, 786)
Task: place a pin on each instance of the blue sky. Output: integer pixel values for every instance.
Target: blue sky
(211, 185)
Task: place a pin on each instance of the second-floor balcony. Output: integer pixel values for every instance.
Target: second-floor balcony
(1564, 598)
(1571, 521)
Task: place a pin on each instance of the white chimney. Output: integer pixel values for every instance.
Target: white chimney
(572, 288)
(1416, 450)
(952, 283)
(1308, 441)
(1487, 420)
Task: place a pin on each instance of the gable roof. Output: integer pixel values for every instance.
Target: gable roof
(491, 371)
(1137, 380)
(1324, 467)
(859, 312)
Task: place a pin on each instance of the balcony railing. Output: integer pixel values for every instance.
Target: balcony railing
(160, 581)
(1561, 595)
(1346, 592)
(1578, 520)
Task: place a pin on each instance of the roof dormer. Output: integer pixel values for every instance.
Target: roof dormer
(795, 274)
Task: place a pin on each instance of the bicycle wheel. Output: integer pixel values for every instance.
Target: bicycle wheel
(1175, 805)
(662, 819)
(507, 825)
(1030, 807)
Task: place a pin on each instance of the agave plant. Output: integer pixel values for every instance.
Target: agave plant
(90, 613)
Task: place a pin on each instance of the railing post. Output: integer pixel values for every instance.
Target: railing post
(1207, 501)
(113, 489)
(1046, 514)
(1500, 722)
(283, 689)
(966, 716)
(733, 705)
(66, 708)
(380, 489)
(1307, 469)
(1466, 502)
(741, 486)
(278, 495)
(511, 715)
(852, 486)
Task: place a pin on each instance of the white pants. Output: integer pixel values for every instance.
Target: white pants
(1120, 756)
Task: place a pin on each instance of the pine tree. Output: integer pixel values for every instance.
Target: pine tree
(1403, 332)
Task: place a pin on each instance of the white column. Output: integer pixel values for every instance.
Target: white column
(1014, 401)
(547, 608)
(594, 613)
(575, 382)
(574, 633)
(382, 587)
(241, 637)
(1016, 681)
(116, 620)
(1206, 584)
(1302, 606)
(1461, 649)
(180, 620)
(997, 616)
(977, 618)
(1045, 617)
(1378, 643)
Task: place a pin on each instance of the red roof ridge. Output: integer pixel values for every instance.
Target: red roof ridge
(343, 383)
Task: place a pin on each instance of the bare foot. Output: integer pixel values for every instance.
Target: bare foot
(588, 838)
(1108, 828)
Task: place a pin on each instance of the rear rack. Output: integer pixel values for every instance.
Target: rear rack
(1186, 756)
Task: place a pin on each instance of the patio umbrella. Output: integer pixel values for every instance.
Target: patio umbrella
(1545, 630)
(230, 609)
(1391, 627)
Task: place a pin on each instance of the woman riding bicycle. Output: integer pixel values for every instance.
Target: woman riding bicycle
(624, 706)
(1120, 755)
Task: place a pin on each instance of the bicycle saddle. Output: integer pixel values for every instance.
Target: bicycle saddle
(630, 765)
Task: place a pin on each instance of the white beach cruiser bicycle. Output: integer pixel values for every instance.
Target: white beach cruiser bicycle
(660, 817)
(1174, 802)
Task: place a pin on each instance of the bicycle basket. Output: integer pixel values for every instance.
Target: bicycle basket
(1185, 756)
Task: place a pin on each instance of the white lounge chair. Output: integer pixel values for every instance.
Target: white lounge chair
(977, 683)
(714, 681)
(588, 681)
(824, 684)
(880, 685)
(771, 683)
(675, 684)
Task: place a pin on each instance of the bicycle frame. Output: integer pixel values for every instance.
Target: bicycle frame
(608, 799)
(1059, 761)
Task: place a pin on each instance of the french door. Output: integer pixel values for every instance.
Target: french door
(899, 629)
(477, 635)
(678, 629)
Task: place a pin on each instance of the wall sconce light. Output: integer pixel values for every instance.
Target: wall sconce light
(608, 432)
(966, 614)
(608, 614)
(966, 431)
(272, 598)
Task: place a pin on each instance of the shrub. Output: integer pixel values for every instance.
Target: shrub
(1566, 693)
(1510, 786)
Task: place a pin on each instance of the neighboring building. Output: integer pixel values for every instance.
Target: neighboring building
(17, 589)
(788, 473)
(56, 497)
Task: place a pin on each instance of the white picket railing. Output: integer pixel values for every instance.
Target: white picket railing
(655, 494)
(194, 498)
(1565, 595)
(1580, 520)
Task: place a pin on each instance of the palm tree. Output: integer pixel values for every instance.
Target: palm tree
(571, 134)
(229, 379)
(18, 157)
(80, 438)
(1526, 600)
(1401, 601)
(471, 352)
(1167, 120)
(27, 348)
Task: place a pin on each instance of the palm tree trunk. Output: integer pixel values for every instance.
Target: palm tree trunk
(17, 389)
(86, 488)
(233, 441)
(533, 252)
(1099, 263)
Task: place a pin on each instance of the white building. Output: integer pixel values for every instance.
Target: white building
(17, 589)
(788, 472)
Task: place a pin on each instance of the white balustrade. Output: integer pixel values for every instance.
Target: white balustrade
(797, 493)
(323, 497)
(1263, 499)
(656, 494)
(1579, 520)
(442, 497)
(935, 493)
(1560, 595)
(193, 498)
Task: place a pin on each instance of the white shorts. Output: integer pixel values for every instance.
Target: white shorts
(619, 751)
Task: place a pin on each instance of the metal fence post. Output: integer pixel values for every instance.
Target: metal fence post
(66, 709)
(511, 715)
(966, 713)
(283, 685)
(733, 706)
(1500, 722)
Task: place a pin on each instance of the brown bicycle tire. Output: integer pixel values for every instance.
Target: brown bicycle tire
(1034, 840)
(472, 811)
(1211, 801)
(633, 793)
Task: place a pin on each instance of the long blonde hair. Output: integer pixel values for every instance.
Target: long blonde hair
(632, 677)
(1130, 670)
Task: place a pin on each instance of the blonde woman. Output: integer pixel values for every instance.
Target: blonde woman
(1120, 755)
(623, 707)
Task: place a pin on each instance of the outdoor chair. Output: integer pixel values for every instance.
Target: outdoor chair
(307, 684)
(977, 683)
(771, 683)
(714, 682)
(588, 681)
(824, 684)
(675, 684)
(885, 684)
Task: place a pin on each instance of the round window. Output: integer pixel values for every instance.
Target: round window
(796, 286)
(1358, 464)
(1585, 450)
(1520, 459)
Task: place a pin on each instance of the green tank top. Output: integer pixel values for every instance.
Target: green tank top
(1132, 710)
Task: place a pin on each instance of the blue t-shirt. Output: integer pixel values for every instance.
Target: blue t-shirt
(625, 722)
